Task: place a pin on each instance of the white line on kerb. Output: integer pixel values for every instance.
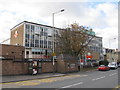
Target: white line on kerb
(98, 78)
(112, 74)
(72, 85)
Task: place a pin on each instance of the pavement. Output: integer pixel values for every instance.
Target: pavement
(16, 78)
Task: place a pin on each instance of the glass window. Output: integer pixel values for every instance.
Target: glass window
(27, 52)
(41, 41)
(27, 45)
(27, 35)
(45, 42)
(32, 28)
(32, 45)
(33, 52)
(27, 27)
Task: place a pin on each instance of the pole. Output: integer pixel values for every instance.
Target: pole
(54, 38)
(111, 50)
(53, 42)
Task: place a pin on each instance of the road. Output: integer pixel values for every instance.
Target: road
(93, 79)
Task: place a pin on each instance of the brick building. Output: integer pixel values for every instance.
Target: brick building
(12, 62)
(13, 52)
(112, 55)
(36, 38)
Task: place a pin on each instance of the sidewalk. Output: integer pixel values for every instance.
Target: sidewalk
(15, 78)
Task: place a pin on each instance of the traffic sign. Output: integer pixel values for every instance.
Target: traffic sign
(53, 54)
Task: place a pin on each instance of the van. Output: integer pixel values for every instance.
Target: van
(113, 65)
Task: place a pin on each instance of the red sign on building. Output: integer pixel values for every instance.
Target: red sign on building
(89, 56)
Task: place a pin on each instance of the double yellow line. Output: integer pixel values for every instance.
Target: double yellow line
(116, 88)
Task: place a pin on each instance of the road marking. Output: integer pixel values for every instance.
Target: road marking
(117, 86)
(72, 85)
(98, 78)
(112, 74)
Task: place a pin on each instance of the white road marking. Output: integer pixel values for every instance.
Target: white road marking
(72, 85)
(112, 74)
(98, 78)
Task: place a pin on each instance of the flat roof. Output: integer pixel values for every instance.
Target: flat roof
(42, 25)
(35, 24)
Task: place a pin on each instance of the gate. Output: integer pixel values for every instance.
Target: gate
(35, 67)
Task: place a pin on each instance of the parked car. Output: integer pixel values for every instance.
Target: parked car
(2, 58)
(103, 67)
(119, 65)
(113, 65)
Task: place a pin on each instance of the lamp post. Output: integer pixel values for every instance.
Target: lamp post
(111, 49)
(54, 36)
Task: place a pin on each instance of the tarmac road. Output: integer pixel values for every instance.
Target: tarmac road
(93, 79)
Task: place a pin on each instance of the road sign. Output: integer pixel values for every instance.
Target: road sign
(53, 54)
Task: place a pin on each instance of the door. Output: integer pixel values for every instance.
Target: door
(39, 67)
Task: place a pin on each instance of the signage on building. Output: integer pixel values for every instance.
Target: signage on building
(72, 65)
(89, 57)
(81, 61)
(16, 34)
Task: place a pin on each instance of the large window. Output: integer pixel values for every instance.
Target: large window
(27, 27)
(37, 36)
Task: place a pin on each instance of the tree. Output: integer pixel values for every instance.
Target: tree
(73, 40)
(104, 62)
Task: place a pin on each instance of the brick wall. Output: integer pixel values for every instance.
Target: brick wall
(13, 68)
(19, 39)
(10, 67)
(48, 67)
(12, 51)
(64, 66)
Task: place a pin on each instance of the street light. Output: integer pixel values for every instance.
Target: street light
(54, 36)
(111, 49)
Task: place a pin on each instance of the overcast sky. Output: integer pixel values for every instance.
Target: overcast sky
(101, 16)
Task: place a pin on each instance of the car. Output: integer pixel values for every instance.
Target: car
(103, 67)
(2, 58)
(118, 64)
(113, 65)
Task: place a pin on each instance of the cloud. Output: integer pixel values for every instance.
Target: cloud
(102, 17)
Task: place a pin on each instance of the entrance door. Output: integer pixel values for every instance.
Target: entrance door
(39, 67)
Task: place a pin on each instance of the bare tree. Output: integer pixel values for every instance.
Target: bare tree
(73, 40)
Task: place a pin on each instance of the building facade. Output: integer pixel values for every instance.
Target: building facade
(12, 52)
(96, 48)
(36, 38)
(112, 55)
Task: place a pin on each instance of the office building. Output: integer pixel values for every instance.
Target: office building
(36, 38)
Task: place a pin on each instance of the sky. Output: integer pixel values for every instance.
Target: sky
(100, 15)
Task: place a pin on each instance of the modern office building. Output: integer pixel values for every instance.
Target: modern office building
(36, 38)
(96, 48)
